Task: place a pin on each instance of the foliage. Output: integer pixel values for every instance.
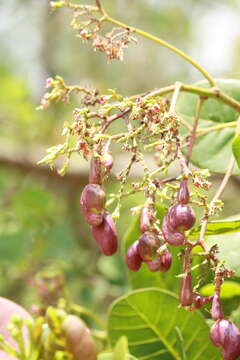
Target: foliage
(154, 329)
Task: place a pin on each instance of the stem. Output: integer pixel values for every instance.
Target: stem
(213, 93)
(204, 92)
(100, 7)
(159, 182)
(183, 164)
(187, 260)
(113, 118)
(225, 179)
(203, 131)
(216, 197)
(194, 129)
(176, 93)
(181, 158)
(164, 44)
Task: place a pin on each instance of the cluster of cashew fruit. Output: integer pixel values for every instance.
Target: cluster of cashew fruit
(92, 202)
(149, 248)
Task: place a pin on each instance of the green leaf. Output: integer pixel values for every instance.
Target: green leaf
(109, 356)
(228, 249)
(229, 289)
(213, 150)
(121, 349)
(235, 316)
(157, 328)
(144, 277)
(217, 227)
(236, 149)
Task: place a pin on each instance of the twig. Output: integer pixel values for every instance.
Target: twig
(100, 7)
(164, 44)
(216, 197)
(194, 129)
(172, 112)
(177, 89)
(225, 179)
(113, 118)
(210, 93)
(204, 131)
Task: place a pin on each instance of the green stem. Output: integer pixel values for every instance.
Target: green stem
(176, 93)
(204, 92)
(203, 131)
(216, 197)
(213, 93)
(194, 129)
(164, 44)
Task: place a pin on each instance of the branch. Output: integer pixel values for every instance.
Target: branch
(194, 129)
(100, 7)
(113, 118)
(176, 93)
(204, 92)
(183, 164)
(26, 163)
(164, 44)
(216, 197)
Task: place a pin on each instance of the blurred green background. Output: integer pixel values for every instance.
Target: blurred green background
(41, 224)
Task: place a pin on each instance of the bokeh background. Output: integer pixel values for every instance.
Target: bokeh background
(41, 226)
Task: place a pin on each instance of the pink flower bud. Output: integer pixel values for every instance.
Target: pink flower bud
(106, 235)
(82, 144)
(49, 82)
(216, 310)
(183, 193)
(95, 173)
(76, 112)
(108, 161)
(45, 103)
(133, 259)
(102, 100)
(186, 291)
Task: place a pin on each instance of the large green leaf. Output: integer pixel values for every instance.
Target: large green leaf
(144, 277)
(228, 249)
(229, 289)
(235, 316)
(157, 328)
(217, 227)
(236, 149)
(213, 150)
